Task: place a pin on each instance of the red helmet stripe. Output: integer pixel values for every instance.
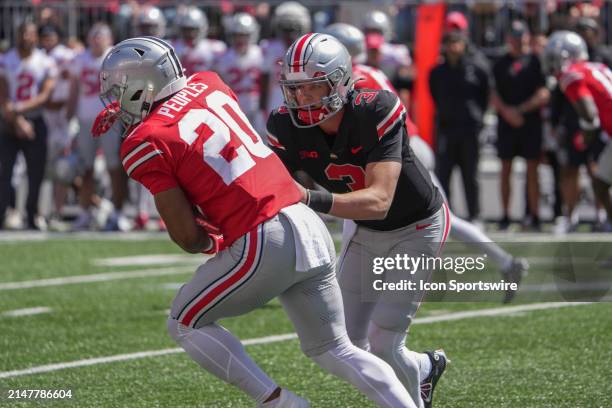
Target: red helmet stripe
(298, 50)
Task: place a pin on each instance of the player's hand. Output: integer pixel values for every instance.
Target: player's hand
(214, 233)
(105, 119)
(24, 129)
(8, 113)
(513, 117)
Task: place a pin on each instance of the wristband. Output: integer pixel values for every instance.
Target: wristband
(320, 201)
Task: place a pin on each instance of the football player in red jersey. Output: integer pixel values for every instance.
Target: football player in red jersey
(588, 86)
(512, 269)
(190, 144)
(354, 144)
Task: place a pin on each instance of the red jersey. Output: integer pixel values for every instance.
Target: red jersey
(372, 78)
(590, 79)
(200, 140)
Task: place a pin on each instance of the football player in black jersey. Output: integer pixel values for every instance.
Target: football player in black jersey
(354, 144)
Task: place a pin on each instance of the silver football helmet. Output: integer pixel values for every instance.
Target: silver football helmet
(563, 49)
(243, 24)
(377, 21)
(350, 36)
(136, 73)
(312, 61)
(151, 21)
(291, 18)
(192, 18)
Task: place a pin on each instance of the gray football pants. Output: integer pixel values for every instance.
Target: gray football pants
(379, 320)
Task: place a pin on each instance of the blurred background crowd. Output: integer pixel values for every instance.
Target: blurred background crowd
(509, 150)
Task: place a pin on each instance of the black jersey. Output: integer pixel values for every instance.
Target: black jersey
(372, 130)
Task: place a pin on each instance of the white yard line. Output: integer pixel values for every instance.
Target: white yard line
(98, 277)
(22, 236)
(150, 260)
(31, 311)
(498, 311)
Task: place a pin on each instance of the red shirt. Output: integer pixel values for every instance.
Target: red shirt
(372, 78)
(200, 140)
(584, 79)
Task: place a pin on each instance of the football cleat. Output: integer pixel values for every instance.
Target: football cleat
(287, 399)
(439, 361)
(514, 273)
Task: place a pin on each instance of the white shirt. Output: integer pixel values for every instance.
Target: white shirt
(201, 56)
(26, 76)
(86, 68)
(274, 51)
(242, 73)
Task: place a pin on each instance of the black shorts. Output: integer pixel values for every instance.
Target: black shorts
(525, 142)
(573, 153)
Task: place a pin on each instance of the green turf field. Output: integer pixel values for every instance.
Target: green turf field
(554, 357)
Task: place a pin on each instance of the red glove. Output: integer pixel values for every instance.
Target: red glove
(214, 233)
(105, 119)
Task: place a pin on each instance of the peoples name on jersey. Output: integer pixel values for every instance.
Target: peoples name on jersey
(181, 99)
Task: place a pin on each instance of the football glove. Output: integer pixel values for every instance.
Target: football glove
(215, 235)
(105, 119)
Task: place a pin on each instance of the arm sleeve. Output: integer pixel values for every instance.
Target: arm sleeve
(276, 140)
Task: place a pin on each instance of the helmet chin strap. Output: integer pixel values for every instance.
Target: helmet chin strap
(147, 103)
(313, 116)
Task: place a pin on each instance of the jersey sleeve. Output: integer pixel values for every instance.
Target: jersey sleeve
(574, 86)
(388, 114)
(277, 133)
(147, 160)
(383, 119)
(388, 149)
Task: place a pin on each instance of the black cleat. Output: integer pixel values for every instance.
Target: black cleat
(439, 361)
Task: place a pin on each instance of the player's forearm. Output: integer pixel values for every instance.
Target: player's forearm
(537, 100)
(32, 104)
(6, 108)
(498, 103)
(194, 243)
(366, 204)
(73, 96)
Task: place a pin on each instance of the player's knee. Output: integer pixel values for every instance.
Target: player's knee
(176, 330)
(384, 343)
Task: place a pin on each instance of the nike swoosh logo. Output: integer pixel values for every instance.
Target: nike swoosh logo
(422, 226)
(356, 150)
